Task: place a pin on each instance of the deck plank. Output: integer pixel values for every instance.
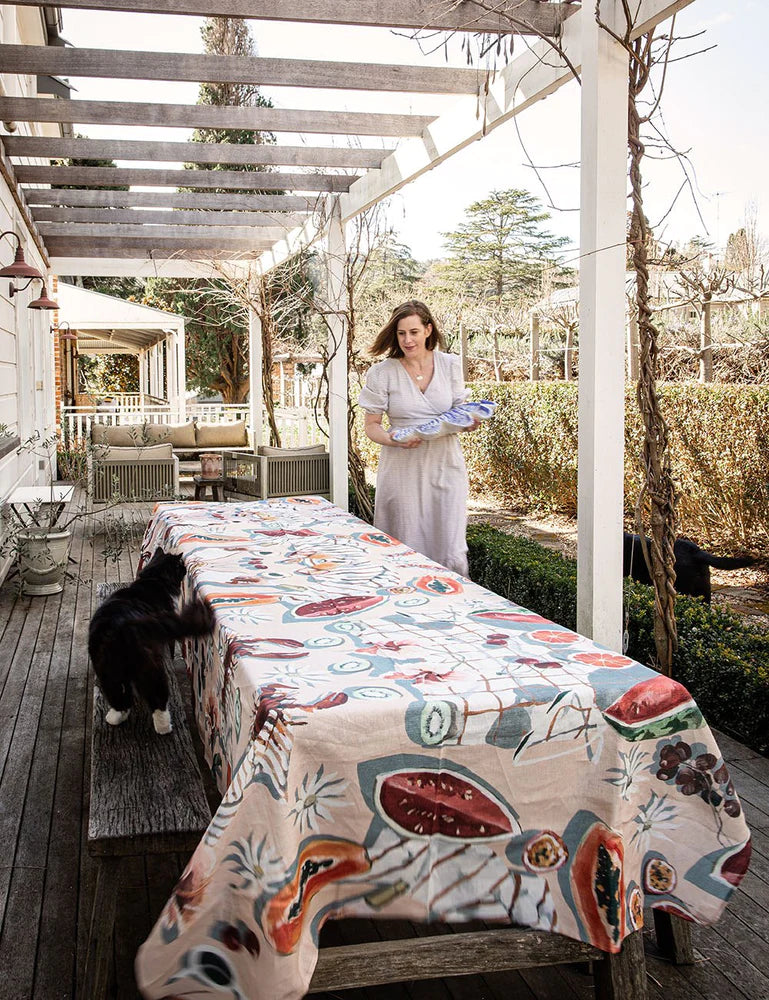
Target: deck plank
(55, 967)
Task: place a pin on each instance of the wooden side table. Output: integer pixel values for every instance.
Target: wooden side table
(201, 484)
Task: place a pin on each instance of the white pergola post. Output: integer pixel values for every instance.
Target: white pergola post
(255, 375)
(337, 369)
(602, 329)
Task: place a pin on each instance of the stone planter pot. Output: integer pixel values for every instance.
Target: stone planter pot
(211, 465)
(43, 558)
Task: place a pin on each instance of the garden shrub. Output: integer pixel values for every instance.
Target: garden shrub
(724, 663)
(526, 457)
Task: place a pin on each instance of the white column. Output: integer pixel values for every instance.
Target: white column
(337, 369)
(602, 330)
(534, 346)
(180, 357)
(142, 377)
(255, 375)
(172, 390)
(153, 372)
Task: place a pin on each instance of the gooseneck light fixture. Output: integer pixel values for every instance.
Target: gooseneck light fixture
(64, 331)
(20, 268)
(43, 302)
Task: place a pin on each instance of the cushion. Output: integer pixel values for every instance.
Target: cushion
(229, 435)
(148, 453)
(122, 436)
(180, 435)
(310, 449)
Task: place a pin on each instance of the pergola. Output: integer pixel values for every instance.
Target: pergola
(84, 231)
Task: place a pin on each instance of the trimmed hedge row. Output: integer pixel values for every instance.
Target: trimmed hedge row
(526, 457)
(724, 663)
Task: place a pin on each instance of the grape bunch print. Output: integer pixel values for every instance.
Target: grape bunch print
(694, 771)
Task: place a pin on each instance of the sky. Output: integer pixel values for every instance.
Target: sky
(714, 108)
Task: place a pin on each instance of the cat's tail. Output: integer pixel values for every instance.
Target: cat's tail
(725, 563)
(195, 618)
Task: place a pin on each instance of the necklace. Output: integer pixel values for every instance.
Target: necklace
(418, 376)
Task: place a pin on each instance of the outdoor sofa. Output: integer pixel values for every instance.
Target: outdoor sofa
(144, 461)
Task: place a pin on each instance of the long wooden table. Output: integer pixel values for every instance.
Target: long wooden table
(392, 740)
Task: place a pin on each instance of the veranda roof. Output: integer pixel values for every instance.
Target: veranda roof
(108, 325)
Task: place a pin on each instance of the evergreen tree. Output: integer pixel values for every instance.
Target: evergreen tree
(502, 247)
(230, 36)
(217, 320)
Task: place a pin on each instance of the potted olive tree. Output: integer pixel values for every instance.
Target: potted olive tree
(36, 522)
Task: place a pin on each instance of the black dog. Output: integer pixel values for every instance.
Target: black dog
(692, 565)
(130, 631)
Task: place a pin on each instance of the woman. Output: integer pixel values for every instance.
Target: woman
(421, 491)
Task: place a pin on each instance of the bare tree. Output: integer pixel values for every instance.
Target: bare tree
(701, 279)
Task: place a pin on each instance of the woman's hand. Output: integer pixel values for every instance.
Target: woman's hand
(473, 427)
(408, 443)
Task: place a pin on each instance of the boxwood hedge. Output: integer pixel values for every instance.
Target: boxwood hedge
(724, 663)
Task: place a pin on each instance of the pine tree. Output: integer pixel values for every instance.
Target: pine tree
(230, 36)
(502, 247)
(217, 324)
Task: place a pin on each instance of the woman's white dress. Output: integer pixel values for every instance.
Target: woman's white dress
(421, 493)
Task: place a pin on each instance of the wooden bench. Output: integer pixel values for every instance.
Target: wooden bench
(147, 797)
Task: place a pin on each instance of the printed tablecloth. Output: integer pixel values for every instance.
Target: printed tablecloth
(393, 740)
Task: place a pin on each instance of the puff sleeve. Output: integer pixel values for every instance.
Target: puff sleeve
(459, 392)
(374, 396)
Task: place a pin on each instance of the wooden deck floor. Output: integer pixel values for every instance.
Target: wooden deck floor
(46, 876)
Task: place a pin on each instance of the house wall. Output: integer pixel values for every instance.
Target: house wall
(27, 385)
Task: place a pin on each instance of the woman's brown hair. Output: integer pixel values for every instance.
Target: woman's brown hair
(387, 338)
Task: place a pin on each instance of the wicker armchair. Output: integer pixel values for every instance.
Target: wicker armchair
(134, 474)
(282, 472)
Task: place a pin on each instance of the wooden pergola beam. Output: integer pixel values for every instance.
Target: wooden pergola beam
(87, 198)
(48, 109)
(183, 264)
(151, 233)
(237, 179)
(264, 222)
(149, 248)
(194, 152)
(522, 16)
(205, 68)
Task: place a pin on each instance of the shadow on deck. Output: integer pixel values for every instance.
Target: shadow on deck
(47, 876)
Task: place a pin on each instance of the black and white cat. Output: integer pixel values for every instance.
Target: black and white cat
(131, 631)
(692, 565)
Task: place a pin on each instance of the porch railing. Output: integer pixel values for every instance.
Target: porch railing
(297, 426)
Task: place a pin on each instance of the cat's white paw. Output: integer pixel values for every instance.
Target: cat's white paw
(162, 721)
(115, 718)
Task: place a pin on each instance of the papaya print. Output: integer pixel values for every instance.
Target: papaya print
(391, 740)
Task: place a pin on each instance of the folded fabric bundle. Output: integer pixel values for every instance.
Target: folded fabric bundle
(456, 419)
